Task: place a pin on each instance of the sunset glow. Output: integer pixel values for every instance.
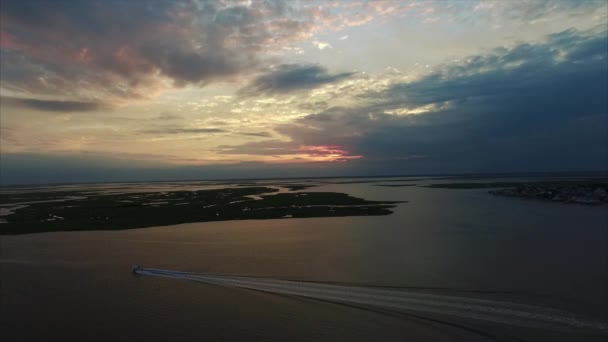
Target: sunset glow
(353, 84)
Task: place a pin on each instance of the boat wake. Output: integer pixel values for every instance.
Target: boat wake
(403, 300)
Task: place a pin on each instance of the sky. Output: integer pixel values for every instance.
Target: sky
(119, 90)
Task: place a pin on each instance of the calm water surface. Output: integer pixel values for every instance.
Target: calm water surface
(78, 285)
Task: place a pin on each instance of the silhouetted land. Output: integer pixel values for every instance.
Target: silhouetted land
(568, 193)
(78, 210)
(377, 181)
(584, 191)
(395, 185)
(481, 185)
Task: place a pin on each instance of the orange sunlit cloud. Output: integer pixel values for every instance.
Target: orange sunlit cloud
(327, 153)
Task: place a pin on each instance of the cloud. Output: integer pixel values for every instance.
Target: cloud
(173, 130)
(256, 134)
(531, 107)
(54, 106)
(532, 76)
(321, 45)
(125, 50)
(291, 151)
(288, 78)
(30, 168)
(183, 130)
(168, 116)
(267, 147)
(530, 10)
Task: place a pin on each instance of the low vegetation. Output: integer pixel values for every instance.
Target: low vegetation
(71, 211)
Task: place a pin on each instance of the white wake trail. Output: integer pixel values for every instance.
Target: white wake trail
(403, 300)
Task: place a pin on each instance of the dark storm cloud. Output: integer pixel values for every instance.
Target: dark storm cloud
(292, 77)
(532, 107)
(53, 106)
(120, 48)
(531, 75)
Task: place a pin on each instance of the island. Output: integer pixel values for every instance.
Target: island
(33, 212)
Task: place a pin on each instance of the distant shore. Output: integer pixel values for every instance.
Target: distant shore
(589, 191)
(589, 194)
